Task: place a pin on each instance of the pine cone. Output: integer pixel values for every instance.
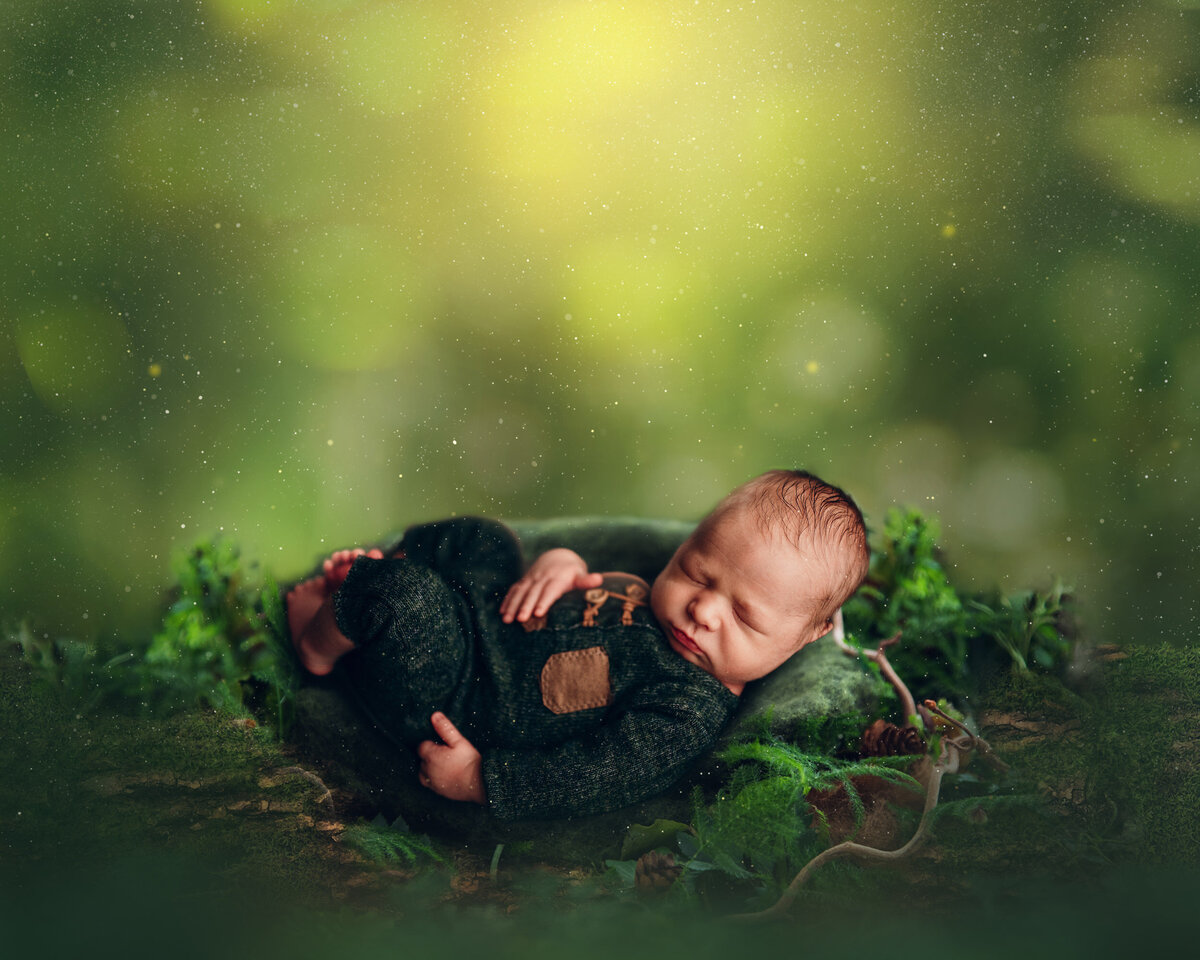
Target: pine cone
(656, 871)
(883, 739)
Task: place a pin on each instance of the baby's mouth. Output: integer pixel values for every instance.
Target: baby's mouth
(684, 641)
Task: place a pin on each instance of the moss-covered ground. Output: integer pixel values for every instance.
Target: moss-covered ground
(134, 825)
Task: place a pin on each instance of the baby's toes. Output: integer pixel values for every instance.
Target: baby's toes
(314, 586)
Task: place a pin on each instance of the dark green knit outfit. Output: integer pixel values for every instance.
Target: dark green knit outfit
(583, 711)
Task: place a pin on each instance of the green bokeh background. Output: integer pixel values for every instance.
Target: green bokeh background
(305, 272)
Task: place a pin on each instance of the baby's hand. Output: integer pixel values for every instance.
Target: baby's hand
(453, 769)
(552, 574)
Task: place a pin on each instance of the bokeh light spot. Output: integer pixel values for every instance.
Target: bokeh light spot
(74, 356)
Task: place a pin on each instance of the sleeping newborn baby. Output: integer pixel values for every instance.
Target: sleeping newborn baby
(555, 691)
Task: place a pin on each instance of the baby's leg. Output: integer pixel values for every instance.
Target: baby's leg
(412, 649)
(310, 618)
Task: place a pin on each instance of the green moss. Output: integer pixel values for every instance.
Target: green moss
(1148, 749)
(1118, 759)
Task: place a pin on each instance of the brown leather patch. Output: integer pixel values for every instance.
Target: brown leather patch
(576, 680)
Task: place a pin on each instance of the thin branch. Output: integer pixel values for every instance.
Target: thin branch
(973, 742)
(953, 753)
(877, 656)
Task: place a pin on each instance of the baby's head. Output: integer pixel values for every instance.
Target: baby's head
(762, 575)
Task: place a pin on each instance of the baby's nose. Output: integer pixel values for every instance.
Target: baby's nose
(701, 611)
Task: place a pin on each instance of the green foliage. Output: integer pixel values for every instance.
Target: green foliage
(1030, 626)
(642, 838)
(944, 633)
(222, 644)
(389, 843)
(760, 829)
(79, 673)
(221, 641)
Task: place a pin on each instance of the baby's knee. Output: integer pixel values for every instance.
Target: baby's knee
(414, 594)
(395, 597)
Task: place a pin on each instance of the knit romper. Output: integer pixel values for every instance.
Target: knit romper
(585, 710)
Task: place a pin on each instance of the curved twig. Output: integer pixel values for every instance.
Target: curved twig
(849, 848)
(953, 753)
(326, 796)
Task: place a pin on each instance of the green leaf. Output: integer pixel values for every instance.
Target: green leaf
(727, 864)
(641, 838)
(624, 869)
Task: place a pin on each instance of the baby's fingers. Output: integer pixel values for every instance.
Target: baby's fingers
(445, 728)
(512, 600)
(543, 596)
(531, 601)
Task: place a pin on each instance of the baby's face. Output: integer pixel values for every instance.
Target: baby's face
(735, 602)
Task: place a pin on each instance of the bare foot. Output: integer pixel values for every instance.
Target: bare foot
(320, 645)
(318, 649)
(303, 602)
(337, 567)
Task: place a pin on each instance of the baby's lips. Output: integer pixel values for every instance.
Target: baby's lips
(685, 641)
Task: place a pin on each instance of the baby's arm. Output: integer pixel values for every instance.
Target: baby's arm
(638, 753)
(635, 754)
(548, 578)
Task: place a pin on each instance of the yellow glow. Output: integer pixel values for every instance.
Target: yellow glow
(622, 289)
(154, 370)
(559, 103)
(948, 231)
(529, 153)
(741, 134)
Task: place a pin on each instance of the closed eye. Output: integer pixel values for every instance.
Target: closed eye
(741, 615)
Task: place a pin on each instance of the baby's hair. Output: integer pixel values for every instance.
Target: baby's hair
(814, 516)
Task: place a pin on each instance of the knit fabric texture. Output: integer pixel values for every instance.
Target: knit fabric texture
(583, 711)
